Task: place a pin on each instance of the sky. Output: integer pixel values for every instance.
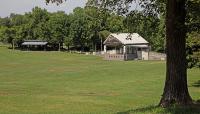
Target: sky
(22, 6)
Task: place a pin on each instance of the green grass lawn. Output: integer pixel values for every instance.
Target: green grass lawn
(62, 83)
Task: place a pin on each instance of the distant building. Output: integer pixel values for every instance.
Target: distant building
(126, 46)
(34, 45)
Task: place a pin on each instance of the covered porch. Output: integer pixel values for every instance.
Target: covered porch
(125, 47)
(126, 52)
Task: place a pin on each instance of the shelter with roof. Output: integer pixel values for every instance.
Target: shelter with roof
(126, 46)
(34, 44)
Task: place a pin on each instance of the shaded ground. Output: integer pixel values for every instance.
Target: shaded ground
(157, 110)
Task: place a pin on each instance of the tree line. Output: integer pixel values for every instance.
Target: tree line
(84, 29)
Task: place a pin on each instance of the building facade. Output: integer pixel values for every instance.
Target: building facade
(126, 46)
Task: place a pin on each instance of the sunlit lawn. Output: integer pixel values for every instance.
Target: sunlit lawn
(58, 82)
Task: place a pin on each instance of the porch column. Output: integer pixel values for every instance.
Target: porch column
(105, 49)
(124, 49)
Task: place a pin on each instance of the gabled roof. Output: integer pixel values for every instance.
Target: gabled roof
(127, 38)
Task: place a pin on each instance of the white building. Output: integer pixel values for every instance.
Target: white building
(126, 46)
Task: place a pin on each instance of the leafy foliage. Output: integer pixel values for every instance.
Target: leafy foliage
(193, 49)
(82, 29)
(193, 28)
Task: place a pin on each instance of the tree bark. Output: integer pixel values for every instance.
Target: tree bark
(176, 89)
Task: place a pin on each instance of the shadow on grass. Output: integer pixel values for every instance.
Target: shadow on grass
(196, 84)
(139, 110)
(195, 109)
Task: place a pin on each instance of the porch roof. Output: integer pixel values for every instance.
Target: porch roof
(34, 42)
(140, 46)
(125, 39)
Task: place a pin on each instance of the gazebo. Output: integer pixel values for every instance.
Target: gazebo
(126, 46)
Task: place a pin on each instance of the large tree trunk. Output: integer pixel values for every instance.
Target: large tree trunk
(176, 89)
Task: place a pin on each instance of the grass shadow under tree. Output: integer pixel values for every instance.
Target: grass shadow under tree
(194, 109)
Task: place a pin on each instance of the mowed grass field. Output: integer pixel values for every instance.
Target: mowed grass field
(62, 83)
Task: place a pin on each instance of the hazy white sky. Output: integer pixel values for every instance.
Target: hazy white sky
(22, 6)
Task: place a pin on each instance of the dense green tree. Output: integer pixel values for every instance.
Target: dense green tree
(193, 35)
(8, 34)
(193, 16)
(17, 20)
(3, 30)
(115, 24)
(5, 22)
(193, 49)
(94, 26)
(58, 25)
(147, 26)
(38, 17)
(79, 29)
